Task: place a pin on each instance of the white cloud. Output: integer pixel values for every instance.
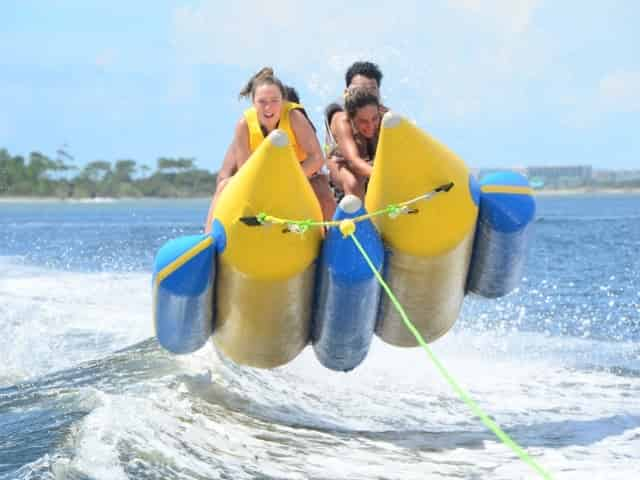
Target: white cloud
(459, 57)
(620, 91)
(183, 86)
(512, 16)
(106, 58)
(282, 32)
(592, 105)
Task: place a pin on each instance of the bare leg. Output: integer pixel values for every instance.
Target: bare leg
(350, 184)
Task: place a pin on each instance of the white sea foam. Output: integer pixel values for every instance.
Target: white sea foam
(393, 417)
(571, 402)
(51, 320)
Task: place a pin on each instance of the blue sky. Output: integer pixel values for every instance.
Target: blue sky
(501, 82)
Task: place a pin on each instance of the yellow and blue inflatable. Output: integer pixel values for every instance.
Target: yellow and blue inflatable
(262, 292)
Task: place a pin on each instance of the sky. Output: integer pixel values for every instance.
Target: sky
(503, 83)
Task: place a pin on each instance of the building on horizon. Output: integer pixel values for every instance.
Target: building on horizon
(616, 176)
(567, 176)
(480, 173)
(560, 176)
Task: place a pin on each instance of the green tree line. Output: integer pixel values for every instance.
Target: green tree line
(41, 176)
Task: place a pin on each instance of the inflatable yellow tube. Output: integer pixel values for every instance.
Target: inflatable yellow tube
(265, 277)
(431, 249)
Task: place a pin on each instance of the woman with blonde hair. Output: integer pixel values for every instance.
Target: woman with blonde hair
(270, 110)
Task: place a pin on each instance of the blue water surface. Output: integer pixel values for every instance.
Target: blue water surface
(87, 393)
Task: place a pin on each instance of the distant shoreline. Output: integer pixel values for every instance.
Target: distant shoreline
(96, 200)
(588, 191)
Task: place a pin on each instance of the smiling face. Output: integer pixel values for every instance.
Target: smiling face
(367, 121)
(267, 101)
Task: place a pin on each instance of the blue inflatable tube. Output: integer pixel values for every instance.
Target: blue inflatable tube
(183, 287)
(347, 292)
(504, 228)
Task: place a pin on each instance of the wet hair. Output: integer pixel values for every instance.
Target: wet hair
(358, 97)
(291, 94)
(264, 77)
(331, 110)
(366, 69)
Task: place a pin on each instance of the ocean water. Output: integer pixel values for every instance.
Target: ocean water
(86, 392)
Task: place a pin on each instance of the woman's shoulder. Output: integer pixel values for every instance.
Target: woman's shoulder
(298, 116)
(297, 112)
(242, 127)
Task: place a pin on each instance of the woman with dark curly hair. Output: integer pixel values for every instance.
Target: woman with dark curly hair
(351, 162)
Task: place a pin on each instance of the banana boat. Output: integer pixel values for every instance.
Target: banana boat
(262, 291)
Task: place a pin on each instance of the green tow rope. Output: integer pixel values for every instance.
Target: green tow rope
(301, 226)
(348, 229)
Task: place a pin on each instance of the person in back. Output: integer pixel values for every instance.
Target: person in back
(344, 153)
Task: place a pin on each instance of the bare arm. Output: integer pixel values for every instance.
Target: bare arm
(237, 153)
(306, 138)
(228, 168)
(343, 133)
(240, 149)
